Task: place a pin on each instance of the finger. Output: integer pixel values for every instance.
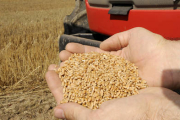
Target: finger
(54, 85)
(116, 42)
(72, 111)
(64, 55)
(61, 64)
(53, 67)
(117, 53)
(79, 48)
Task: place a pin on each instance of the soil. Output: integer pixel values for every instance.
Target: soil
(30, 105)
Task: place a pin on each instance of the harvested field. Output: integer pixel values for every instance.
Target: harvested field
(29, 32)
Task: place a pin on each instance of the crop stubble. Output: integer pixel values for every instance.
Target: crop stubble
(29, 32)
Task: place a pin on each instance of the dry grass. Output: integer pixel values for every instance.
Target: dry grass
(29, 32)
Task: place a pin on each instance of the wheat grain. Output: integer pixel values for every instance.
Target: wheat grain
(90, 79)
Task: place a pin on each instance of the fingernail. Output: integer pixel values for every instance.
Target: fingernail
(59, 113)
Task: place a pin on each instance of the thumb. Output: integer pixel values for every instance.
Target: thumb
(116, 42)
(72, 111)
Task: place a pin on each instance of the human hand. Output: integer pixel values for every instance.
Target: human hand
(146, 96)
(150, 52)
(150, 103)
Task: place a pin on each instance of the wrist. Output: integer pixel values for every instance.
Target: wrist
(170, 108)
(172, 50)
(165, 106)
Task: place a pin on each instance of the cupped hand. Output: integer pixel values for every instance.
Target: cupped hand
(150, 52)
(151, 103)
(147, 51)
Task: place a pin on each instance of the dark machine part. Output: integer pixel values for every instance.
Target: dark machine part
(177, 91)
(120, 10)
(147, 3)
(65, 39)
(77, 21)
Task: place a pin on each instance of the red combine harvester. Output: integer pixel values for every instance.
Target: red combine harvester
(95, 20)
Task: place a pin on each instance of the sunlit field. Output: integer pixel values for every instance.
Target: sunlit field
(29, 33)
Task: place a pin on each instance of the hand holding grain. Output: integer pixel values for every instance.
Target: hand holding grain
(147, 51)
(155, 57)
(151, 103)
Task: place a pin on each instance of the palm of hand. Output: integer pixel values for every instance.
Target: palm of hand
(140, 46)
(141, 106)
(146, 50)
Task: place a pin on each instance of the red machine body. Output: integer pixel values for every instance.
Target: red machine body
(163, 22)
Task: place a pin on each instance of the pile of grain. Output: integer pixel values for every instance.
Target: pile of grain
(90, 79)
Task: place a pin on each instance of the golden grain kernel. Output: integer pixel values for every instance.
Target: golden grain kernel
(90, 79)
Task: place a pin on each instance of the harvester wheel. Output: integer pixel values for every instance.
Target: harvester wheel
(77, 21)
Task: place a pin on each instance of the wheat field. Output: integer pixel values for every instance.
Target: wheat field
(29, 33)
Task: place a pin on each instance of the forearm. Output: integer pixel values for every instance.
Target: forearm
(170, 110)
(173, 58)
(168, 107)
